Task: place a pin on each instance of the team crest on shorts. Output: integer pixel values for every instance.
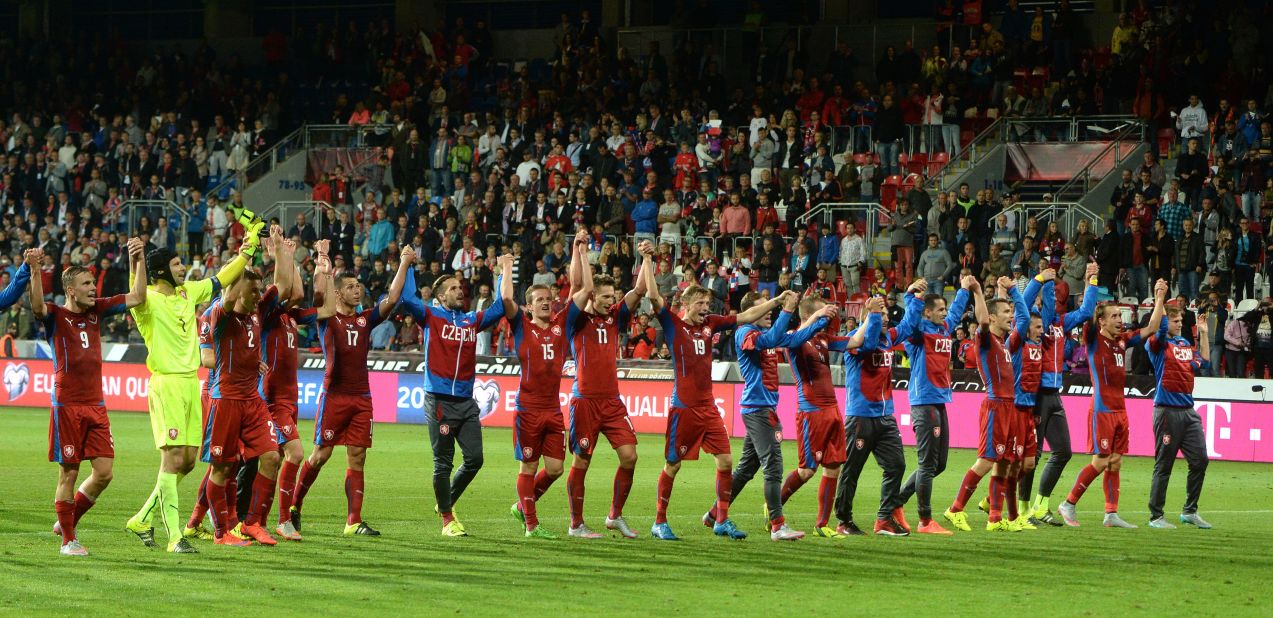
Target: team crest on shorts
(216, 451)
(861, 444)
(999, 448)
(1104, 443)
(444, 429)
(328, 434)
(584, 443)
(936, 432)
(1166, 439)
(1019, 449)
(778, 436)
(684, 449)
(817, 456)
(361, 321)
(527, 451)
(69, 450)
(172, 433)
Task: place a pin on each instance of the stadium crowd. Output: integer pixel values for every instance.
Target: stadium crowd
(482, 156)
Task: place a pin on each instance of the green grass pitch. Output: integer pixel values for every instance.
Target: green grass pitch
(496, 571)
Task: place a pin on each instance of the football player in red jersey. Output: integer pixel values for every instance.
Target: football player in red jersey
(694, 421)
(344, 410)
(1107, 427)
(594, 319)
(998, 446)
(78, 426)
(539, 340)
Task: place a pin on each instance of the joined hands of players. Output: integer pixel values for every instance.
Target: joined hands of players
(1093, 269)
(33, 257)
(136, 250)
(875, 305)
(970, 283)
(1048, 274)
(918, 287)
(322, 263)
(1004, 284)
(408, 255)
(1160, 290)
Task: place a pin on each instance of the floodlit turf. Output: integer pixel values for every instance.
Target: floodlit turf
(413, 569)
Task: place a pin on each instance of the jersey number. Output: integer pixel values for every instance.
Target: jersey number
(700, 346)
(84, 340)
(251, 339)
(548, 350)
(291, 340)
(603, 336)
(351, 337)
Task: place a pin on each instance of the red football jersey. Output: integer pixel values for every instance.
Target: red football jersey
(691, 348)
(236, 339)
(278, 352)
(594, 341)
(542, 352)
(994, 363)
(346, 340)
(811, 365)
(77, 350)
(1106, 358)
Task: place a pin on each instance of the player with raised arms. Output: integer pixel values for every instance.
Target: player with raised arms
(279, 338)
(926, 332)
(1177, 426)
(344, 409)
(760, 345)
(1051, 426)
(819, 424)
(79, 428)
(998, 444)
(1107, 343)
(450, 353)
(238, 425)
(594, 319)
(870, 429)
(167, 322)
(694, 423)
(539, 339)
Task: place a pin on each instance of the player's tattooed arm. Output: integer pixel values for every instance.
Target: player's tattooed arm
(283, 260)
(32, 258)
(406, 259)
(324, 295)
(582, 291)
(639, 287)
(137, 261)
(1160, 309)
(652, 287)
(506, 284)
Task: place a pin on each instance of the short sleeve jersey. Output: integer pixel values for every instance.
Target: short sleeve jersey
(594, 342)
(994, 363)
(278, 349)
(691, 348)
(77, 350)
(236, 340)
(811, 365)
(1174, 360)
(1107, 359)
(346, 340)
(168, 324)
(542, 353)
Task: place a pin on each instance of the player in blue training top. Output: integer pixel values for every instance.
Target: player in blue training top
(869, 425)
(450, 357)
(759, 347)
(1051, 426)
(1177, 426)
(926, 331)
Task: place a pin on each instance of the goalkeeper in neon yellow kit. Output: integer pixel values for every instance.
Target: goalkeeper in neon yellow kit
(167, 321)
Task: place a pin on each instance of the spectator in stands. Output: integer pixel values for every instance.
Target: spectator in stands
(935, 265)
(902, 230)
(1191, 121)
(1189, 260)
(889, 129)
(1135, 256)
(1192, 170)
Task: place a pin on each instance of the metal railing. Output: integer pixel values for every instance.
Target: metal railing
(1066, 214)
(1096, 169)
(346, 136)
(132, 211)
(873, 214)
(286, 212)
(238, 180)
(970, 154)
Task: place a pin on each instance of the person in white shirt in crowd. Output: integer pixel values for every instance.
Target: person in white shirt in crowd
(852, 258)
(1191, 122)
